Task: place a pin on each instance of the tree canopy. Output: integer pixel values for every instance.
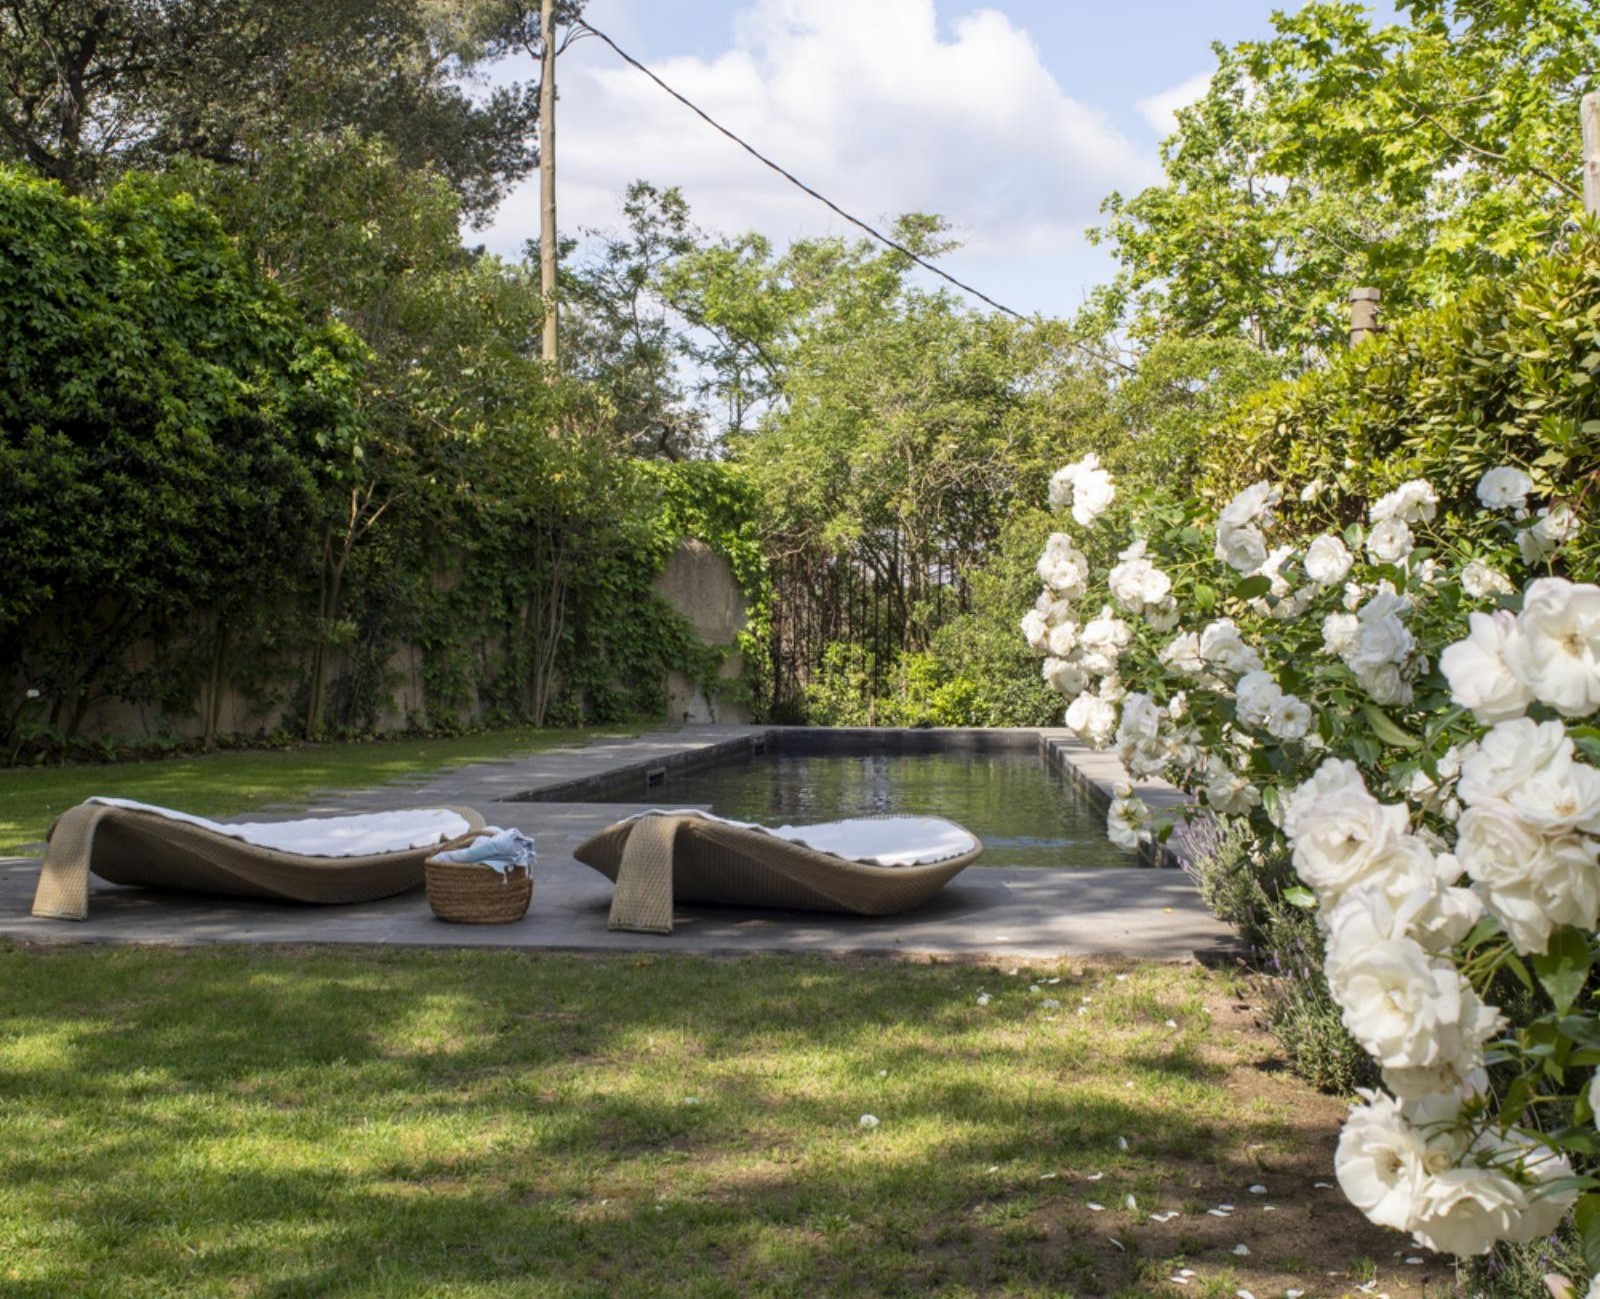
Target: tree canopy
(90, 89)
(1413, 156)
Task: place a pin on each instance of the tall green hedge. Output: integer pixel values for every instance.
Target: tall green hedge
(1505, 375)
(160, 406)
(179, 446)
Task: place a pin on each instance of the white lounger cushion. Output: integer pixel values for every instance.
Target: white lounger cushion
(366, 834)
(873, 840)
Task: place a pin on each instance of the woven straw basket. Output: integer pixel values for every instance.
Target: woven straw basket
(477, 895)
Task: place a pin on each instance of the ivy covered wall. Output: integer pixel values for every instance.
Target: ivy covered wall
(218, 517)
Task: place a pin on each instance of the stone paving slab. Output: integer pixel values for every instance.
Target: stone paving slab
(1037, 914)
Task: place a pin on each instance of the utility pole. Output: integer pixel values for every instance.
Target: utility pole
(1363, 315)
(1589, 111)
(547, 175)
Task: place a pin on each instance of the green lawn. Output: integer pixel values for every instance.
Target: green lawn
(275, 1122)
(222, 784)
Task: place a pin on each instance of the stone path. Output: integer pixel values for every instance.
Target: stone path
(1033, 914)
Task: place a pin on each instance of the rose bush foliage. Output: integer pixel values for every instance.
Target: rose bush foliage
(1406, 705)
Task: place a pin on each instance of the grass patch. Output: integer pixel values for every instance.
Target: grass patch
(242, 1121)
(223, 784)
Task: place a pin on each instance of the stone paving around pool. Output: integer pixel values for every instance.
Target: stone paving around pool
(986, 911)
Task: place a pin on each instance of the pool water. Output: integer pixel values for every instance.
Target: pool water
(1026, 812)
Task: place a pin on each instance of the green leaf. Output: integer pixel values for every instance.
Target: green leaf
(1249, 588)
(1586, 1217)
(1300, 896)
(1386, 730)
(1564, 967)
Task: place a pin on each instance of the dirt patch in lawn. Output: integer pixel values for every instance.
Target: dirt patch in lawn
(1257, 1217)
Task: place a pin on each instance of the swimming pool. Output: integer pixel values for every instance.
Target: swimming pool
(1027, 812)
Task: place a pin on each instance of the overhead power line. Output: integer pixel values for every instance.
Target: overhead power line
(794, 180)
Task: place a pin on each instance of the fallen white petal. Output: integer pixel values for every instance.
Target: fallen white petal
(1048, 1177)
(1094, 1177)
(1242, 1251)
(1131, 1204)
(869, 1120)
(1118, 1243)
(1122, 1143)
(1258, 1189)
(1096, 1208)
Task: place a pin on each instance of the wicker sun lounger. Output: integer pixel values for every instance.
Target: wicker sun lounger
(873, 866)
(322, 859)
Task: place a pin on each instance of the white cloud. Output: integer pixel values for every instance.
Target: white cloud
(868, 103)
(1161, 110)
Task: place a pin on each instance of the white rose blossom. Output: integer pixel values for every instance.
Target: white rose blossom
(1556, 649)
(1222, 646)
(1241, 548)
(1092, 719)
(1128, 819)
(1065, 676)
(1137, 584)
(1102, 641)
(1227, 792)
(1327, 561)
(1466, 1210)
(1389, 541)
(1412, 502)
(1035, 631)
(1480, 581)
(1504, 488)
(1250, 504)
(1254, 697)
(1140, 745)
(1271, 568)
(1182, 654)
(1063, 567)
(1085, 486)
(1339, 634)
(1411, 1010)
(1062, 639)
(1289, 718)
(1342, 837)
(1477, 672)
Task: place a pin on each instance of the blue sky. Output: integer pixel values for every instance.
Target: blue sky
(1013, 119)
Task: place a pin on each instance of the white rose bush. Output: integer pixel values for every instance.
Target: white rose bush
(1405, 706)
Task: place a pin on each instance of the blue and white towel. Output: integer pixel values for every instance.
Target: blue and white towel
(499, 850)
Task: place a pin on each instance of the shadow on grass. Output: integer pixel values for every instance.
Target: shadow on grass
(285, 1123)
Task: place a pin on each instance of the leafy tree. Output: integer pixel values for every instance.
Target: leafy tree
(1415, 156)
(89, 89)
(900, 433)
(620, 334)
